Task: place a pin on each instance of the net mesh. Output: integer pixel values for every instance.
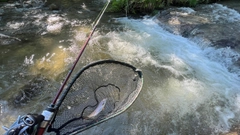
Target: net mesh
(100, 91)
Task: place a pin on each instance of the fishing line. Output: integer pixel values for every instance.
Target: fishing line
(96, 21)
(51, 111)
(80, 53)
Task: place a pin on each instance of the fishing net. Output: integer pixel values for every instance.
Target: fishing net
(99, 91)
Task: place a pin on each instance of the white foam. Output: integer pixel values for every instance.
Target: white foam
(183, 11)
(55, 24)
(38, 18)
(29, 61)
(222, 13)
(224, 116)
(80, 36)
(55, 28)
(54, 19)
(146, 44)
(225, 56)
(15, 25)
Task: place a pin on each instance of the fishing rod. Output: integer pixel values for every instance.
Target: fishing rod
(50, 112)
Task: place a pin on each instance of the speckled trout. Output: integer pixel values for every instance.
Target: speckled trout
(99, 108)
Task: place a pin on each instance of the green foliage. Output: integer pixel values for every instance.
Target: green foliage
(193, 2)
(135, 6)
(152, 4)
(3, 0)
(190, 3)
(118, 5)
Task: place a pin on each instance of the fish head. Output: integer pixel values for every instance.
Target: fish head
(103, 102)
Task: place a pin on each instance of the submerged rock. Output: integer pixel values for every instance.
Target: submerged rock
(33, 88)
(217, 25)
(53, 7)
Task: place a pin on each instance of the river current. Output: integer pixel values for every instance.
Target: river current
(189, 88)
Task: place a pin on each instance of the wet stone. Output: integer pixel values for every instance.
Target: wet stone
(226, 42)
(217, 24)
(29, 91)
(53, 7)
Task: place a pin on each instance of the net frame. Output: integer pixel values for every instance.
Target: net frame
(129, 99)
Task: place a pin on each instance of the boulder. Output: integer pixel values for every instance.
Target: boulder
(217, 25)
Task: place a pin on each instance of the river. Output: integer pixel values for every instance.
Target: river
(188, 88)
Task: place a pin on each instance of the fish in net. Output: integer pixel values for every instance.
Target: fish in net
(98, 92)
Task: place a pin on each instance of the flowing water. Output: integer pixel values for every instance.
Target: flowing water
(188, 87)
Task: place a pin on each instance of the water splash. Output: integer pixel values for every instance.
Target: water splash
(55, 24)
(221, 14)
(186, 91)
(29, 61)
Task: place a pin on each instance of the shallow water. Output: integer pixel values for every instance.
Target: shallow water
(188, 87)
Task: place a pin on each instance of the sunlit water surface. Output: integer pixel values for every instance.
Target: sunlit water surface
(187, 89)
